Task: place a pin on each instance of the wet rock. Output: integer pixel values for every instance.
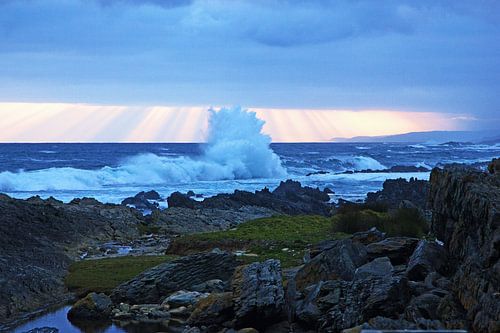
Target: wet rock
(143, 200)
(215, 309)
(338, 262)
(161, 281)
(91, 307)
(183, 298)
(428, 257)
(380, 267)
(398, 249)
(258, 293)
(366, 237)
(289, 197)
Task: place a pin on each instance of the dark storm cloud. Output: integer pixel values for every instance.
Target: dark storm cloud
(440, 55)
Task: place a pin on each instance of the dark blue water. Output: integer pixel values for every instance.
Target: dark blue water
(113, 171)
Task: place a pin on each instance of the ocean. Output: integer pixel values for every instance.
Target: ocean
(111, 172)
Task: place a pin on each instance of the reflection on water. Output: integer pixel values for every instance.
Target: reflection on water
(59, 320)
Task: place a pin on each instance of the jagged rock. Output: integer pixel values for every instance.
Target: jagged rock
(40, 238)
(398, 249)
(338, 262)
(366, 237)
(258, 293)
(93, 306)
(183, 273)
(215, 309)
(288, 198)
(428, 257)
(142, 200)
(494, 166)
(466, 217)
(183, 298)
(335, 305)
(380, 267)
(396, 190)
(383, 323)
(423, 306)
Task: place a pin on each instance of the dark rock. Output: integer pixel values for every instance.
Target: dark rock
(338, 262)
(332, 306)
(215, 309)
(211, 286)
(466, 217)
(40, 238)
(380, 267)
(161, 281)
(258, 293)
(424, 306)
(396, 190)
(366, 237)
(322, 172)
(428, 257)
(383, 323)
(494, 166)
(142, 200)
(43, 330)
(288, 198)
(398, 249)
(93, 306)
(183, 298)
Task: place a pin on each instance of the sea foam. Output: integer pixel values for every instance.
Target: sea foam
(236, 149)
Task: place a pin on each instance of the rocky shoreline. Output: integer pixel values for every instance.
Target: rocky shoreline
(449, 279)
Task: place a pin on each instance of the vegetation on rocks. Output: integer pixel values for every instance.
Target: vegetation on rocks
(279, 237)
(105, 274)
(401, 222)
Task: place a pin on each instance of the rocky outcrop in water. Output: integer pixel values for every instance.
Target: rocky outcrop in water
(40, 238)
(289, 197)
(466, 217)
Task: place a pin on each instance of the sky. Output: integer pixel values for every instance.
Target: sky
(141, 70)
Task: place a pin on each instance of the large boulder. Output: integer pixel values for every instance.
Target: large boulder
(91, 307)
(258, 293)
(428, 257)
(215, 309)
(396, 190)
(380, 267)
(370, 236)
(158, 282)
(338, 262)
(398, 249)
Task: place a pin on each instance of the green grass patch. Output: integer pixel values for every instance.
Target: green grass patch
(265, 237)
(102, 275)
(401, 222)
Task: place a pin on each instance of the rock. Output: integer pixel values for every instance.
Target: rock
(380, 267)
(211, 286)
(183, 298)
(466, 218)
(161, 281)
(383, 323)
(428, 257)
(289, 197)
(335, 305)
(398, 249)
(424, 306)
(142, 201)
(396, 190)
(40, 238)
(91, 307)
(494, 166)
(215, 309)
(338, 262)
(43, 330)
(258, 293)
(366, 237)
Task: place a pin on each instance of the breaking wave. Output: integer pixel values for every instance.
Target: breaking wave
(236, 149)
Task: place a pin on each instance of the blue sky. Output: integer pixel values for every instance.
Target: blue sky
(408, 56)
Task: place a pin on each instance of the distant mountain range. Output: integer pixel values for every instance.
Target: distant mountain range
(430, 137)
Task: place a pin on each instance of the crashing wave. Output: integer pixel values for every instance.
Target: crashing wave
(236, 149)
